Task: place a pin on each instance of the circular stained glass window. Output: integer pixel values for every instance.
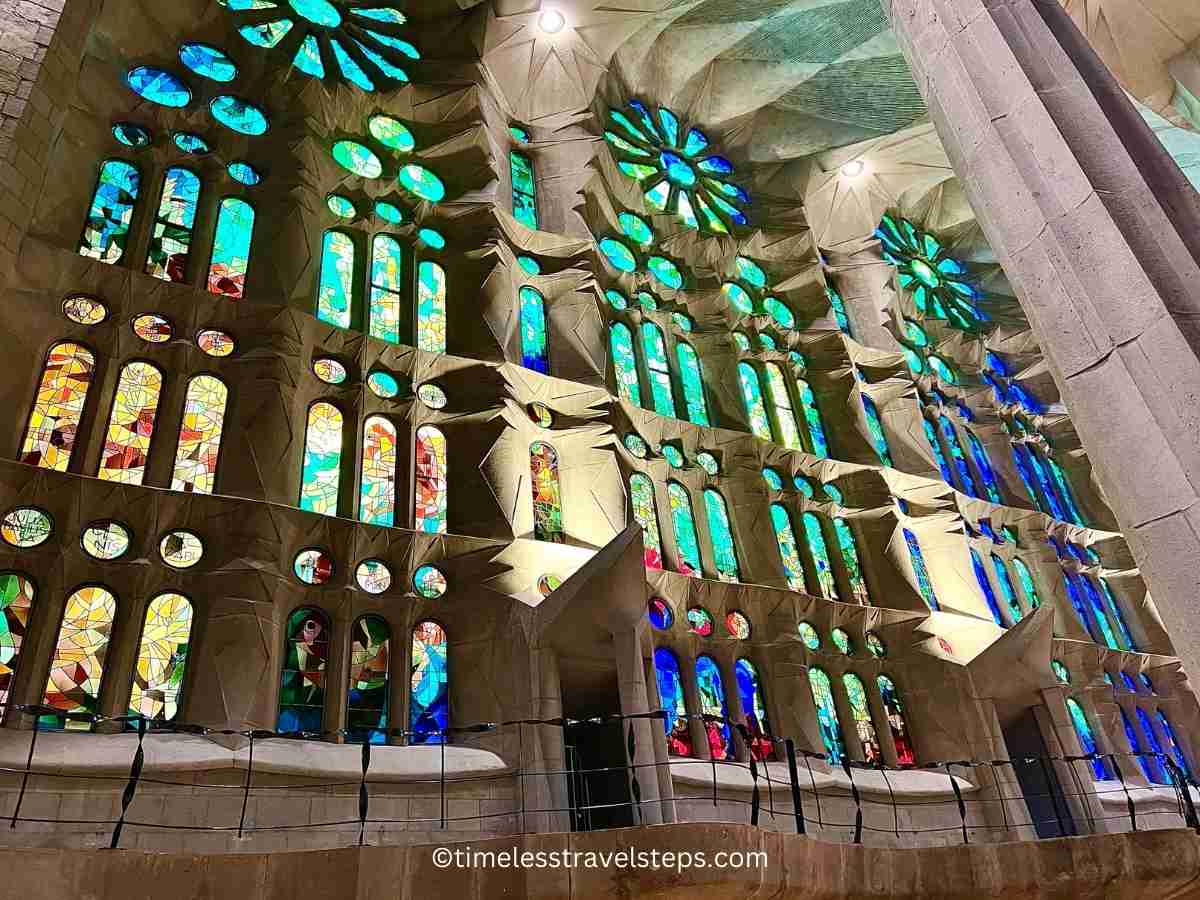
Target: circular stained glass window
(804, 486)
(389, 212)
(25, 527)
(841, 640)
(673, 455)
(383, 385)
(809, 635)
(432, 239)
(216, 343)
(700, 621)
(618, 255)
(152, 328)
(105, 540)
(432, 396)
(708, 462)
(659, 613)
(771, 477)
(424, 184)
(778, 311)
(239, 115)
(357, 158)
(635, 445)
(430, 582)
(636, 229)
(530, 265)
(131, 135)
(313, 566)
(342, 207)
(751, 272)
(541, 414)
(244, 173)
(737, 297)
(180, 549)
(191, 143)
(682, 321)
(665, 272)
(616, 299)
(548, 584)
(159, 86)
(208, 62)
(373, 576)
(875, 645)
(84, 310)
(737, 625)
(329, 370)
(392, 133)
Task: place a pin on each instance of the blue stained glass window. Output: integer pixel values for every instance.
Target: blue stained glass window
(171, 243)
(936, 447)
(684, 524)
(812, 416)
(620, 340)
(854, 570)
(533, 330)
(655, 349)
(693, 384)
(302, 680)
(1007, 588)
(1098, 604)
(1176, 747)
(1046, 482)
(1155, 762)
(672, 698)
(239, 115)
(875, 426)
(721, 533)
(986, 587)
(984, 465)
(1024, 465)
(1087, 741)
(1027, 584)
(387, 265)
(231, 249)
(819, 551)
(754, 708)
(159, 86)
(208, 61)
(1064, 489)
(335, 295)
(1149, 766)
(1118, 615)
(429, 701)
(919, 570)
(107, 227)
(789, 552)
(827, 716)
(524, 190)
(712, 703)
(966, 482)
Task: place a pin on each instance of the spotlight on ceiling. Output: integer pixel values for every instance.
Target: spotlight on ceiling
(854, 168)
(552, 21)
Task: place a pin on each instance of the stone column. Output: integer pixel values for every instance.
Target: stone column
(1099, 235)
(662, 759)
(631, 681)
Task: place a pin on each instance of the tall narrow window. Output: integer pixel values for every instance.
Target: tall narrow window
(827, 716)
(547, 493)
(752, 395)
(684, 524)
(984, 465)
(712, 703)
(377, 490)
(58, 409)
(1118, 615)
(524, 190)
(77, 667)
(719, 530)
(789, 553)
(1087, 740)
(854, 571)
(655, 349)
(645, 513)
(754, 708)
(1027, 584)
(429, 697)
(367, 691)
(671, 696)
(1046, 482)
(985, 588)
(620, 340)
(162, 658)
(171, 242)
(1064, 490)
(1173, 743)
(430, 498)
(815, 536)
(1075, 594)
(896, 723)
(387, 267)
(322, 460)
(1155, 761)
(200, 436)
(1095, 609)
(231, 249)
(956, 454)
(1122, 637)
(938, 456)
(533, 330)
(106, 230)
(1148, 764)
(1007, 588)
(812, 417)
(131, 424)
(861, 711)
(302, 679)
(692, 377)
(1024, 466)
(431, 307)
(782, 401)
(875, 427)
(16, 603)
(335, 294)
(922, 574)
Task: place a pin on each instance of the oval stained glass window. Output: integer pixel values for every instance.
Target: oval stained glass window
(804, 486)
(541, 414)
(742, 342)
(519, 134)
(383, 385)
(841, 640)
(636, 229)
(700, 621)
(778, 311)
(429, 582)
(708, 462)
(239, 115)
(771, 477)
(682, 321)
(809, 635)
(530, 265)
(25, 527)
(190, 143)
(875, 645)
(159, 86)
(313, 566)
(659, 613)
(737, 625)
(340, 206)
(389, 212)
(616, 299)
(423, 183)
(105, 540)
(737, 297)
(635, 445)
(647, 301)
(751, 272)
(208, 61)
(431, 238)
(357, 158)
(432, 396)
(392, 133)
(180, 549)
(373, 576)
(673, 455)
(152, 328)
(665, 272)
(548, 584)
(244, 173)
(84, 310)
(131, 135)
(618, 255)
(329, 370)
(213, 342)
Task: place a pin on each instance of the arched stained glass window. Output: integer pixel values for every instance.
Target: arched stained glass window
(533, 330)
(684, 524)
(430, 504)
(1064, 489)
(789, 553)
(231, 249)
(429, 698)
(1027, 584)
(815, 536)
(985, 587)
(131, 424)
(58, 409)
(645, 513)
(1088, 594)
(922, 574)
(782, 401)
(754, 708)
(1155, 762)
(827, 716)
(322, 459)
(302, 680)
(655, 349)
(812, 417)
(624, 363)
(693, 384)
(984, 465)
(966, 482)
(16, 603)
(861, 711)
(875, 427)
(377, 490)
(162, 658)
(1118, 615)
(938, 456)
(1024, 467)
(547, 493)
(712, 703)
(200, 436)
(670, 694)
(1149, 766)
(1087, 740)
(387, 267)
(335, 295)
(895, 716)
(854, 570)
(171, 242)
(524, 190)
(77, 667)
(724, 551)
(1007, 589)
(106, 230)
(1045, 479)
(752, 396)
(1173, 744)
(431, 307)
(367, 691)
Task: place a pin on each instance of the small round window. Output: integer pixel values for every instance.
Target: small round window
(875, 645)
(430, 582)
(313, 566)
(700, 621)
(432, 396)
(181, 549)
(809, 635)
(25, 527)
(737, 625)
(329, 370)
(373, 576)
(842, 641)
(105, 540)
(659, 613)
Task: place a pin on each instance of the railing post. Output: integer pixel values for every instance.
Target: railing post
(246, 789)
(28, 765)
(442, 776)
(962, 807)
(858, 813)
(135, 773)
(789, 747)
(755, 796)
(364, 798)
(1189, 805)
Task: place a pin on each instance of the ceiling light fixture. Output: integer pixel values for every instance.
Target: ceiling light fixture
(854, 168)
(551, 21)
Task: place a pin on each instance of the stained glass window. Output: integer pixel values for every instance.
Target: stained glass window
(335, 295)
(854, 570)
(1087, 740)
(432, 486)
(231, 249)
(894, 709)
(654, 347)
(131, 424)
(1027, 584)
(367, 691)
(162, 658)
(377, 491)
(684, 525)
(815, 536)
(171, 242)
(782, 401)
(936, 447)
(1173, 744)
(429, 700)
(875, 427)
(692, 377)
(789, 553)
(1155, 762)
(700, 622)
(1121, 636)
(322, 460)
(827, 716)
(387, 264)
(533, 330)
(860, 711)
(373, 576)
(984, 465)
(547, 493)
(812, 417)
(752, 396)
(956, 454)
(431, 307)
(985, 587)
(1118, 615)
(841, 640)
(645, 513)
(712, 703)
(659, 613)
(55, 419)
(79, 655)
(106, 230)
(919, 571)
(1007, 588)
(754, 708)
(1148, 765)
(16, 603)
(724, 551)
(624, 363)
(524, 190)
(25, 526)
(670, 694)
(302, 680)
(200, 436)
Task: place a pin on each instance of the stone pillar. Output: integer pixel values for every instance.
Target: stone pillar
(542, 751)
(631, 681)
(1104, 262)
(691, 695)
(662, 759)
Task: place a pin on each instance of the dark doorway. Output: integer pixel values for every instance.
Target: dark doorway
(599, 782)
(1035, 774)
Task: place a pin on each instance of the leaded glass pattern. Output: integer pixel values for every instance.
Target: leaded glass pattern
(624, 363)
(303, 676)
(1102, 611)
(684, 524)
(377, 490)
(430, 508)
(162, 658)
(1158, 775)
(1007, 589)
(431, 307)
(1087, 740)
(106, 231)
(1118, 614)
(645, 513)
(58, 408)
(335, 294)
(924, 584)
(721, 534)
(429, 685)
(171, 242)
(875, 427)
(782, 401)
(893, 708)
(199, 445)
(692, 376)
(131, 424)
(789, 553)
(367, 691)
(711, 691)
(16, 603)
(671, 696)
(938, 456)
(752, 396)
(966, 482)
(547, 493)
(827, 716)
(860, 711)
(655, 350)
(322, 472)
(533, 330)
(984, 466)
(77, 667)
(231, 249)
(854, 569)
(524, 190)
(387, 266)
(812, 417)
(815, 536)
(985, 587)
(754, 708)
(938, 283)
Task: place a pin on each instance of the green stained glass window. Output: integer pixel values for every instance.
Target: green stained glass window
(624, 363)
(752, 396)
(529, 265)
(875, 645)
(16, 604)
(647, 301)
(841, 640)
(789, 552)
(692, 377)
(171, 242)
(809, 635)
(645, 513)
(431, 307)
(738, 298)
(342, 207)
(1060, 672)
(389, 212)
(1027, 584)
(684, 524)
(875, 427)
(431, 238)
(387, 263)
(860, 711)
(780, 312)
(838, 306)
(392, 133)
(817, 549)
(665, 272)
(303, 677)
(674, 456)
(335, 297)
(322, 460)
(107, 228)
(654, 348)
(618, 255)
(812, 417)
(533, 330)
(782, 401)
(636, 229)
(422, 183)
(854, 570)
(924, 584)
(1006, 588)
(767, 342)
(771, 477)
(682, 321)
(524, 190)
(827, 716)
(231, 249)
(804, 486)
(741, 341)
(751, 272)
(721, 534)
(547, 494)
(708, 462)
(635, 445)
(357, 159)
